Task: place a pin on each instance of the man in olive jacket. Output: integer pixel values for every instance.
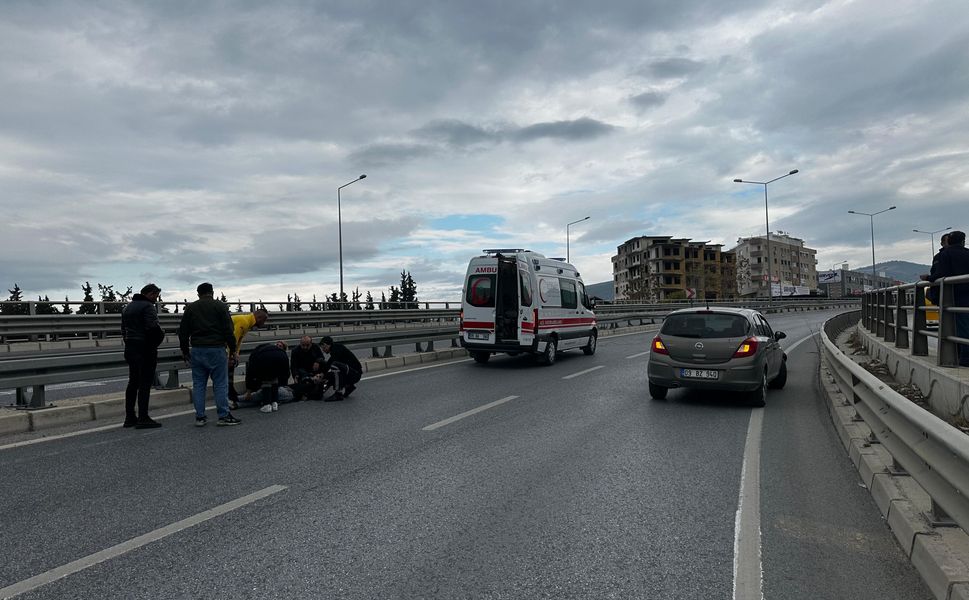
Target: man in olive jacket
(142, 335)
(207, 325)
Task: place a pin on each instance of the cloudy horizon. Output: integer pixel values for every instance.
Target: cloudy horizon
(179, 143)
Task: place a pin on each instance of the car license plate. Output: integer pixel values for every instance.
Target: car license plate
(700, 373)
(478, 335)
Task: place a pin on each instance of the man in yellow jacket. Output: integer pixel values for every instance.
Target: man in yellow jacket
(241, 324)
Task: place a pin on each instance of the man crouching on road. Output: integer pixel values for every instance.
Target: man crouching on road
(341, 368)
(207, 325)
(268, 364)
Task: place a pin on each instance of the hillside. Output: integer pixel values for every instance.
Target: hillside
(898, 269)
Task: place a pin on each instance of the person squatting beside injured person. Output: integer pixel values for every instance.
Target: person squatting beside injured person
(340, 367)
(268, 365)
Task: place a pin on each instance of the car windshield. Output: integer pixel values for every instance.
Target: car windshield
(705, 325)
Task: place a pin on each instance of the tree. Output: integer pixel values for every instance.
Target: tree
(356, 300)
(44, 307)
(408, 290)
(394, 299)
(110, 299)
(383, 300)
(369, 304)
(66, 309)
(314, 305)
(16, 295)
(89, 307)
(297, 303)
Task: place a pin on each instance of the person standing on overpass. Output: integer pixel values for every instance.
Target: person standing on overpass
(206, 324)
(241, 325)
(954, 260)
(142, 335)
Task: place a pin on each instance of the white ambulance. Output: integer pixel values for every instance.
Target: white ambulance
(519, 301)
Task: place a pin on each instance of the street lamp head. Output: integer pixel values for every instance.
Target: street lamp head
(852, 212)
(793, 172)
(362, 177)
(738, 180)
(892, 207)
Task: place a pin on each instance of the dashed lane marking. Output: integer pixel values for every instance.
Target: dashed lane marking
(580, 373)
(468, 413)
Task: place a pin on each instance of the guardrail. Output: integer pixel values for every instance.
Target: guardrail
(30, 376)
(933, 452)
(887, 313)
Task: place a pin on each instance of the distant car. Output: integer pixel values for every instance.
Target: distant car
(728, 349)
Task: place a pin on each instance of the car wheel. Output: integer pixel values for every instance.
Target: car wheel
(657, 392)
(778, 382)
(759, 396)
(590, 348)
(480, 357)
(551, 348)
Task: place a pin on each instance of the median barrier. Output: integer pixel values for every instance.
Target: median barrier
(914, 464)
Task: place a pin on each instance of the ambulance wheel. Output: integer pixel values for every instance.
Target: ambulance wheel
(590, 348)
(551, 348)
(479, 356)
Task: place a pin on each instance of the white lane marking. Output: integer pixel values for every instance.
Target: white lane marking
(133, 544)
(584, 372)
(468, 413)
(606, 338)
(799, 342)
(748, 571)
(638, 355)
(447, 364)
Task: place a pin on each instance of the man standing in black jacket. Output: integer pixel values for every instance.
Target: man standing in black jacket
(954, 260)
(341, 368)
(142, 335)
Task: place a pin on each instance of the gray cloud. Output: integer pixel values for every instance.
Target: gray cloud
(647, 100)
(577, 130)
(671, 68)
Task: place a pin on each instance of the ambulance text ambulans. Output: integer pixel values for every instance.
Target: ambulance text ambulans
(518, 301)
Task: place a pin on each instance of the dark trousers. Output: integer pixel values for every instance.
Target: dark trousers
(341, 375)
(142, 359)
(233, 394)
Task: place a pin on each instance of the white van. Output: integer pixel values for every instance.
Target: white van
(519, 301)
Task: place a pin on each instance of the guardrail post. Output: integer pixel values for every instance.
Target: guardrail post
(36, 399)
(920, 341)
(937, 517)
(890, 313)
(374, 352)
(901, 319)
(429, 347)
(172, 381)
(454, 343)
(864, 311)
(417, 347)
(880, 314)
(388, 352)
(948, 351)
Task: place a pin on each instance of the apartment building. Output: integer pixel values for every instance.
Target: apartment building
(843, 282)
(656, 268)
(793, 266)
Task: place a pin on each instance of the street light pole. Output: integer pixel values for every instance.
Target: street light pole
(770, 283)
(568, 256)
(339, 220)
(932, 234)
(871, 218)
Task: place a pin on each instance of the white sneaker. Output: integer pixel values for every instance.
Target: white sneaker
(266, 408)
(275, 406)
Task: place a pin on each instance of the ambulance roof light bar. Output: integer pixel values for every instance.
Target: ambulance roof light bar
(504, 250)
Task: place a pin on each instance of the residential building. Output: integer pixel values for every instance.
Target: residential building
(656, 268)
(793, 266)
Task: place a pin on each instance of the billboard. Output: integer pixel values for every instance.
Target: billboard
(790, 290)
(829, 277)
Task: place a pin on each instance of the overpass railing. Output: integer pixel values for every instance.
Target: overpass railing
(933, 452)
(899, 316)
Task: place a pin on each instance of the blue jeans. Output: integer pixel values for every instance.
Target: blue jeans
(210, 361)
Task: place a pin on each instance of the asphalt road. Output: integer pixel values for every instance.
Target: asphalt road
(558, 482)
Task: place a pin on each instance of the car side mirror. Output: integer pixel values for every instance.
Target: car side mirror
(779, 335)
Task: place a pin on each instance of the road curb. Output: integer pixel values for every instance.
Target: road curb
(939, 554)
(112, 407)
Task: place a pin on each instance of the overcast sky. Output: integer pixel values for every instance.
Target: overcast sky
(180, 142)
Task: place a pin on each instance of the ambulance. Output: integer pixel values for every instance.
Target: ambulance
(517, 301)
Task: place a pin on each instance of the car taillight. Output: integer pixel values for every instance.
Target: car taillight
(747, 347)
(658, 347)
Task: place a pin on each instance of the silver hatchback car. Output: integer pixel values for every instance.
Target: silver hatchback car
(729, 349)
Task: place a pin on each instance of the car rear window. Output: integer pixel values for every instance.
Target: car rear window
(705, 325)
(481, 290)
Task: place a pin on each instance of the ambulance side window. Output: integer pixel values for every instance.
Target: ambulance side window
(584, 296)
(481, 290)
(526, 288)
(569, 298)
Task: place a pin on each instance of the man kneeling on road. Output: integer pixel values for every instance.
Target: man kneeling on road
(341, 368)
(268, 363)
